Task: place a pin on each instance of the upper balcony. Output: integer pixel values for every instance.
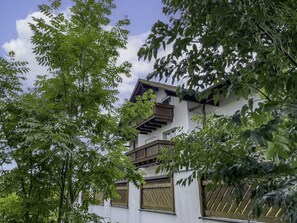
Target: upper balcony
(162, 114)
(147, 153)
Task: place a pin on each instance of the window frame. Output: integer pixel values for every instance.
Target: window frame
(166, 100)
(100, 203)
(154, 180)
(170, 131)
(148, 140)
(114, 203)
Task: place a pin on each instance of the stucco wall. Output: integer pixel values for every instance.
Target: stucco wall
(228, 106)
(187, 206)
(180, 119)
(187, 202)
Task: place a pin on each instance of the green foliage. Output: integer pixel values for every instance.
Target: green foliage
(63, 136)
(223, 150)
(11, 75)
(76, 214)
(11, 72)
(10, 208)
(248, 43)
(133, 112)
(246, 48)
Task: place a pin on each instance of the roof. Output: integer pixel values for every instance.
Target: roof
(143, 85)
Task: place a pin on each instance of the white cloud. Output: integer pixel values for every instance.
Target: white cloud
(140, 68)
(23, 47)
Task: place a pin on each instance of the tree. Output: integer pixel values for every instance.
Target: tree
(64, 135)
(246, 47)
(11, 75)
(10, 208)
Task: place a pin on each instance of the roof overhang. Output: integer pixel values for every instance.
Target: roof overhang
(144, 85)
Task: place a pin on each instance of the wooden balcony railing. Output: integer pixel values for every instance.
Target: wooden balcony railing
(162, 114)
(219, 201)
(147, 153)
(123, 192)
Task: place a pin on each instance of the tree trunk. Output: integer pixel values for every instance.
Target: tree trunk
(63, 185)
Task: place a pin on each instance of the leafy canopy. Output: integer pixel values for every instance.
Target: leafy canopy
(248, 48)
(63, 136)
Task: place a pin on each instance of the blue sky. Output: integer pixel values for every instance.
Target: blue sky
(15, 34)
(142, 14)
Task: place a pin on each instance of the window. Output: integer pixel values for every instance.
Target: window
(158, 194)
(170, 134)
(151, 139)
(166, 100)
(99, 198)
(86, 196)
(92, 197)
(122, 200)
(132, 145)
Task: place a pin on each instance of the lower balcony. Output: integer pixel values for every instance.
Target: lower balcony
(148, 153)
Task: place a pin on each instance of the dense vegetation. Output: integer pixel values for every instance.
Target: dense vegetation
(248, 48)
(63, 137)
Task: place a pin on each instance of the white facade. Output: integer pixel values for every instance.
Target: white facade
(186, 199)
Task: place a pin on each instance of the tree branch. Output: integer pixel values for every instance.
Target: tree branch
(269, 35)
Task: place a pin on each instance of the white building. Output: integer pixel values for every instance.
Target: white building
(161, 200)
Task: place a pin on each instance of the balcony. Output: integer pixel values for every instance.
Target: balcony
(147, 153)
(162, 114)
(219, 201)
